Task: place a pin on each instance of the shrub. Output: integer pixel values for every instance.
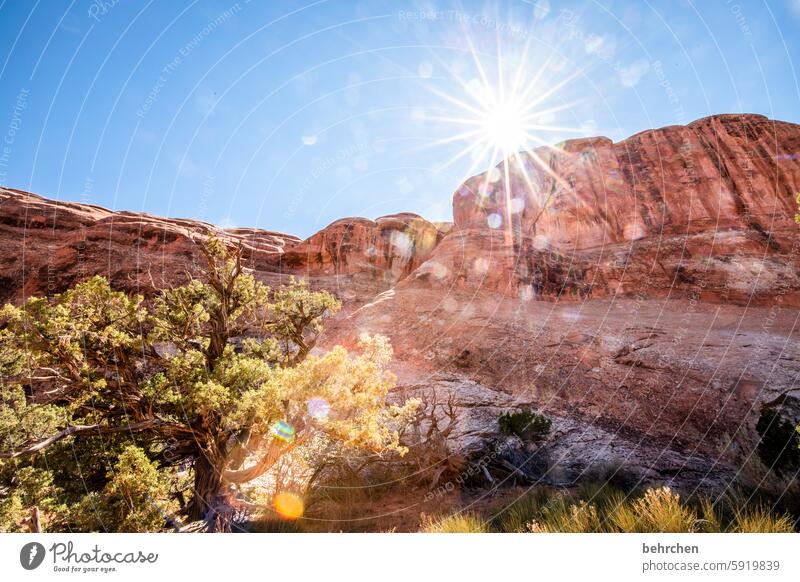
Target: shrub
(135, 499)
(659, 510)
(711, 521)
(32, 487)
(619, 515)
(597, 508)
(227, 409)
(778, 446)
(526, 424)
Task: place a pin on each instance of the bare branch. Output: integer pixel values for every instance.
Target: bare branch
(275, 450)
(82, 429)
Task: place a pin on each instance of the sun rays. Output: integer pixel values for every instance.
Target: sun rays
(502, 115)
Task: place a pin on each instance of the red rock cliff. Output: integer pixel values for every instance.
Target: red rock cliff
(706, 210)
(50, 245)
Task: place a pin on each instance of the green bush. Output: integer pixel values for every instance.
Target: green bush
(526, 424)
(565, 517)
(135, 499)
(31, 487)
(778, 447)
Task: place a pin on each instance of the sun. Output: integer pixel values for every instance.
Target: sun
(501, 113)
(504, 126)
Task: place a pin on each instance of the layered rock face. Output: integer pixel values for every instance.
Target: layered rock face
(357, 258)
(642, 294)
(671, 387)
(52, 245)
(705, 210)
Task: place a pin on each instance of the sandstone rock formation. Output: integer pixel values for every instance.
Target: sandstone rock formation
(668, 265)
(358, 258)
(671, 387)
(705, 210)
(51, 245)
(643, 294)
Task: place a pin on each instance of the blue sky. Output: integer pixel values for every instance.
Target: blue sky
(289, 115)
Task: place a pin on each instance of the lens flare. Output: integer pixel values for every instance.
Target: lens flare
(284, 431)
(504, 109)
(288, 505)
(318, 408)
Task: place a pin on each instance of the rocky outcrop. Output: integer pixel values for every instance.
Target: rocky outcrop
(668, 266)
(51, 245)
(673, 388)
(358, 258)
(706, 210)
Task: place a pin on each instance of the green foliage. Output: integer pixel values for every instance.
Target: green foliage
(526, 424)
(21, 422)
(711, 520)
(135, 499)
(564, 517)
(657, 510)
(296, 313)
(597, 508)
(660, 510)
(31, 487)
(738, 512)
(514, 517)
(779, 446)
(199, 375)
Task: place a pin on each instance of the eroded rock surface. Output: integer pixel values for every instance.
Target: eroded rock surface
(358, 258)
(51, 245)
(706, 209)
(671, 387)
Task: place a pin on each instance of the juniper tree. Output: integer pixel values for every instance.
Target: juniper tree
(212, 376)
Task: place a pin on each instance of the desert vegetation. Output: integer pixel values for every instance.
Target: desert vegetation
(525, 424)
(120, 414)
(597, 508)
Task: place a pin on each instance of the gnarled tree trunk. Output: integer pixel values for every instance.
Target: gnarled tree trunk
(211, 501)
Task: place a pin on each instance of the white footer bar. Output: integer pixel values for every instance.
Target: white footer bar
(406, 557)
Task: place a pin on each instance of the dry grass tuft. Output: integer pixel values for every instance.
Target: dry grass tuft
(761, 520)
(563, 517)
(457, 523)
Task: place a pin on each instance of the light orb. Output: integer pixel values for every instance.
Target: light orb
(283, 431)
(288, 505)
